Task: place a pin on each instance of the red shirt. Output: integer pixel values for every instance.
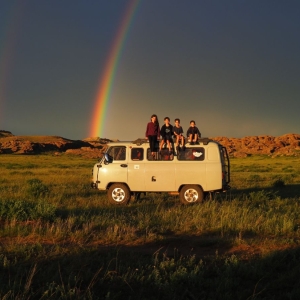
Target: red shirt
(152, 129)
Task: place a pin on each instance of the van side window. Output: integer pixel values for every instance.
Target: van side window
(117, 152)
(195, 154)
(137, 154)
(163, 156)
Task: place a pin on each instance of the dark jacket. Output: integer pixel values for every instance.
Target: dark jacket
(166, 131)
(193, 130)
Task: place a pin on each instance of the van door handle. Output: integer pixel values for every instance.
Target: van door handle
(123, 165)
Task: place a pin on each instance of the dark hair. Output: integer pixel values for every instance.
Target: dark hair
(167, 118)
(156, 122)
(177, 120)
(193, 122)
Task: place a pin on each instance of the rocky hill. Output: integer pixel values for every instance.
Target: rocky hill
(92, 148)
(288, 144)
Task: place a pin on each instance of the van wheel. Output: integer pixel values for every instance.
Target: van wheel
(119, 194)
(191, 194)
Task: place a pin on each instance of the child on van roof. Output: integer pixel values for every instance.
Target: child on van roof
(193, 133)
(166, 134)
(153, 133)
(178, 132)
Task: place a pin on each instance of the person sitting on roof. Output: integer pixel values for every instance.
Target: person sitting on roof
(193, 133)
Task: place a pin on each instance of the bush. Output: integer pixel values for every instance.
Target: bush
(22, 210)
(36, 188)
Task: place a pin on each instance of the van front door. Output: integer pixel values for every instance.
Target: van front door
(117, 170)
(136, 180)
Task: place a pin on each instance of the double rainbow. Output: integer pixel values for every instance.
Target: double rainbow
(107, 79)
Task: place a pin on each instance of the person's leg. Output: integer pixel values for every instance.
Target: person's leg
(177, 140)
(182, 141)
(152, 141)
(161, 144)
(195, 138)
(169, 145)
(191, 138)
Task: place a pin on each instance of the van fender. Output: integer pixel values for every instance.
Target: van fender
(181, 186)
(111, 183)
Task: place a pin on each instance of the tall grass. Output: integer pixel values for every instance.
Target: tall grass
(60, 239)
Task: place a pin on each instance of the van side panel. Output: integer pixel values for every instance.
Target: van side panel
(213, 168)
(160, 176)
(189, 172)
(214, 176)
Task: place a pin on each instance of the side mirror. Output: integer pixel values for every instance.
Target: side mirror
(108, 159)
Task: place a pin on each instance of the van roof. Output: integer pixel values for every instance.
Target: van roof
(139, 142)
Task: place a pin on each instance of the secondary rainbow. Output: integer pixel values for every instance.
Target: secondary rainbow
(8, 48)
(108, 76)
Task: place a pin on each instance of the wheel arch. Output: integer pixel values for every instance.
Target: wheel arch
(182, 185)
(120, 182)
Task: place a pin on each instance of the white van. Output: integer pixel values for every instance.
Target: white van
(128, 169)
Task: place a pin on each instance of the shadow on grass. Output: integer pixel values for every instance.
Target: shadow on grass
(286, 191)
(147, 202)
(148, 272)
(150, 201)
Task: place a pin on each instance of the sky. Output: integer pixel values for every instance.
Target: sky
(232, 66)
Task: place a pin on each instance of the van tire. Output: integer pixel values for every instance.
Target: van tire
(190, 194)
(118, 194)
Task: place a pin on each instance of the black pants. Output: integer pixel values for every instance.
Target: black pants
(152, 141)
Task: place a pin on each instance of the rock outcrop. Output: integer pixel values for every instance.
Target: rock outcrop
(92, 148)
(288, 144)
(5, 133)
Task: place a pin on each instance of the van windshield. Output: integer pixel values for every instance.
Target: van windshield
(117, 152)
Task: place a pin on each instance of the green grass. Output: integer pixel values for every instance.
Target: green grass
(60, 239)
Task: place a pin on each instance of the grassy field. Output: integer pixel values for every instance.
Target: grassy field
(60, 239)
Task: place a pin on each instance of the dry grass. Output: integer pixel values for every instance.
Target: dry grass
(52, 220)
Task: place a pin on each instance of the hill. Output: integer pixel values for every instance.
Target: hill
(9, 143)
(288, 145)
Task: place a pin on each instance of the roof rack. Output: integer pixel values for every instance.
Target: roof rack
(205, 141)
(139, 142)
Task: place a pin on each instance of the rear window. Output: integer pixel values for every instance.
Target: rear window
(194, 154)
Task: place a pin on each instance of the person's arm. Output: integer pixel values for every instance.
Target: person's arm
(161, 132)
(188, 132)
(147, 128)
(199, 133)
(172, 132)
(158, 132)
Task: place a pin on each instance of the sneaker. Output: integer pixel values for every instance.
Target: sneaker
(192, 143)
(197, 143)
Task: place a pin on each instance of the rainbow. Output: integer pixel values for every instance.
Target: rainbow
(108, 76)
